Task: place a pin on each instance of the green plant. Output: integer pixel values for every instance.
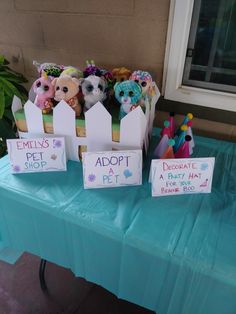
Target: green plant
(10, 85)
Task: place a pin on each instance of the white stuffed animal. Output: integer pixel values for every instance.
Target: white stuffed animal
(94, 89)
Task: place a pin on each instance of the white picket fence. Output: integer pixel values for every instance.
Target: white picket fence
(135, 128)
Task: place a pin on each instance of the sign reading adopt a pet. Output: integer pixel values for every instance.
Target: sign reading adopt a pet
(37, 154)
(112, 169)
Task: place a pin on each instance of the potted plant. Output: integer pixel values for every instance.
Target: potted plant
(10, 85)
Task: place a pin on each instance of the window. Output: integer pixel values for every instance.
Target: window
(201, 63)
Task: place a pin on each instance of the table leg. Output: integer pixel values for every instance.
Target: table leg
(42, 267)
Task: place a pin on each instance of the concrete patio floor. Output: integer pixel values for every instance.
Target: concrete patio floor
(20, 292)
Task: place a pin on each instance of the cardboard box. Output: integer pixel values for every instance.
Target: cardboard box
(96, 131)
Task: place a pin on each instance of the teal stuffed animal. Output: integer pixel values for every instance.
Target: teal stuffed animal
(128, 94)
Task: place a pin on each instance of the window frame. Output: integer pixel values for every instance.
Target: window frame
(177, 40)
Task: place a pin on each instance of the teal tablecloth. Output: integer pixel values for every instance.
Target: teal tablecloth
(171, 254)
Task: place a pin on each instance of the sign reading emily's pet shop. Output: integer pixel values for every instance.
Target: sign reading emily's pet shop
(181, 176)
(112, 169)
(37, 155)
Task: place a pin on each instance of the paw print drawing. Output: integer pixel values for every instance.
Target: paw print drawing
(53, 156)
(127, 173)
(204, 166)
(57, 143)
(91, 177)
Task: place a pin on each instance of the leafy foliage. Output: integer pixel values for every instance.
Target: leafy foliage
(10, 85)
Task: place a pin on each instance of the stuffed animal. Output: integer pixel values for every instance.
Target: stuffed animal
(51, 69)
(128, 94)
(94, 89)
(144, 79)
(67, 89)
(108, 77)
(91, 69)
(121, 74)
(72, 71)
(44, 91)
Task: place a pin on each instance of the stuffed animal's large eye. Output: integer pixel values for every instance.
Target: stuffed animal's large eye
(65, 89)
(38, 84)
(100, 87)
(144, 84)
(57, 88)
(122, 79)
(89, 88)
(121, 93)
(137, 81)
(131, 94)
(46, 88)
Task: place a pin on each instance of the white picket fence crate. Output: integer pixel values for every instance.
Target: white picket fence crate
(135, 128)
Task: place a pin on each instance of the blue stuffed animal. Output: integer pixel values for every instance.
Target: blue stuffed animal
(128, 94)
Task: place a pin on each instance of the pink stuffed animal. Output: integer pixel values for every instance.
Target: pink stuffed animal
(44, 91)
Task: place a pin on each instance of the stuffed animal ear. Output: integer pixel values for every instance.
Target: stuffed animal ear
(102, 78)
(140, 87)
(75, 80)
(54, 81)
(116, 85)
(44, 75)
(81, 81)
(35, 63)
(34, 86)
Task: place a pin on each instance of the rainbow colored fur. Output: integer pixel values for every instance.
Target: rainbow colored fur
(128, 94)
(144, 79)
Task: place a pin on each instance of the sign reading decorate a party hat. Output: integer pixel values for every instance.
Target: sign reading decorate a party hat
(181, 176)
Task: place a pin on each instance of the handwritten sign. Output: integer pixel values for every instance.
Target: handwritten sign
(181, 176)
(112, 169)
(37, 155)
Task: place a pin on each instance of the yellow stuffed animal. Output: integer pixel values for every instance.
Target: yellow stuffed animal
(121, 74)
(67, 89)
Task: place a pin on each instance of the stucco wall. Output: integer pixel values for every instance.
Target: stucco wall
(129, 33)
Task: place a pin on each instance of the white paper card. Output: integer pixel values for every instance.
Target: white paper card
(112, 168)
(181, 176)
(37, 154)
